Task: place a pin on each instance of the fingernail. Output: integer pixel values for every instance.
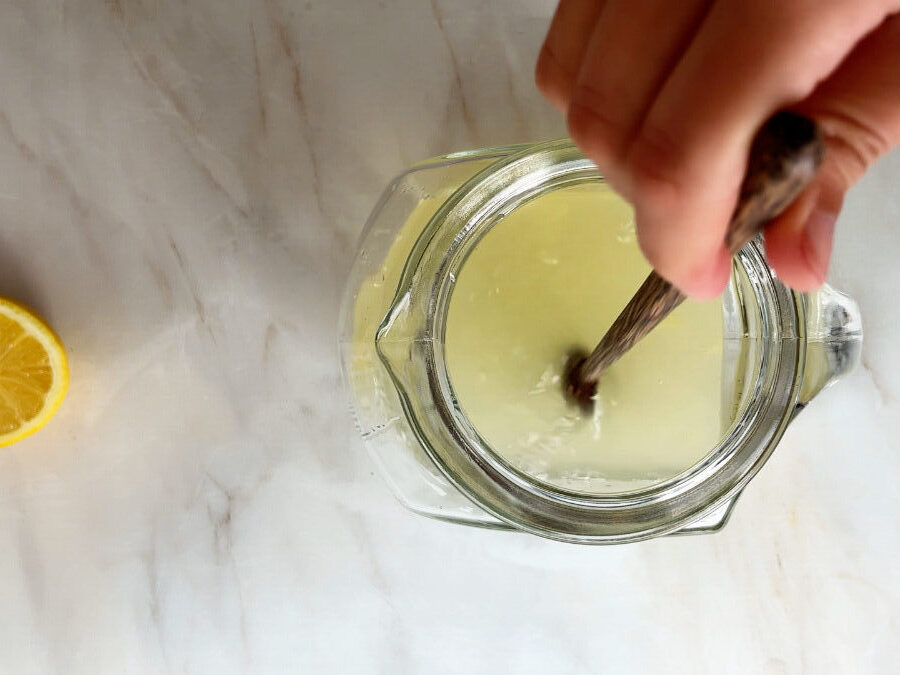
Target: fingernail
(817, 237)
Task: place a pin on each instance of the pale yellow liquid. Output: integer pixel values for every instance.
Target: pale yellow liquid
(553, 275)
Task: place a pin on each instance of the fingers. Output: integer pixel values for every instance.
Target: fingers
(666, 97)
(859, 109)
(564, 47)
(798, 243)
(623, 69)
(686, 163)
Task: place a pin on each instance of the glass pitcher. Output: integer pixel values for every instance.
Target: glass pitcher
(393, 317)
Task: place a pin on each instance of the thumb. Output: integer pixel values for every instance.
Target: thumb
(858, 108)
(798, 242)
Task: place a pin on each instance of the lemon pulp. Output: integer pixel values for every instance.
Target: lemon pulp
(34, 372)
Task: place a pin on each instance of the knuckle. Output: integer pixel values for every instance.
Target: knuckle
(856, 142)
(591, 126)
(656, 165)
(551, 77)
(545, 72)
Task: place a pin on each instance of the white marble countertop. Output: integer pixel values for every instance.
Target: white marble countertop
(181, 185)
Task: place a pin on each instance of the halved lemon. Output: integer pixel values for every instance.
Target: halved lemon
(34, 372)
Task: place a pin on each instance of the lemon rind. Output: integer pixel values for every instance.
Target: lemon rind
(37, 328)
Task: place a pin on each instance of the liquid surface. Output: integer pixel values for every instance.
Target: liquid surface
(551, 276)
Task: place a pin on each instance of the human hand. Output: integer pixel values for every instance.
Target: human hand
(666, 97)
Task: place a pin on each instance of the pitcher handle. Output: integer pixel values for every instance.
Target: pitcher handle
(834, 336)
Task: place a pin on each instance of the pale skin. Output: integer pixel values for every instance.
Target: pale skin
(665, 96)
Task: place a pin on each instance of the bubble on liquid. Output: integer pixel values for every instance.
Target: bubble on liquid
(597, 418)
(547, 381)
(625, 231)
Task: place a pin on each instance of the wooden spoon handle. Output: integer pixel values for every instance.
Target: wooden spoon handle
(784, 158)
